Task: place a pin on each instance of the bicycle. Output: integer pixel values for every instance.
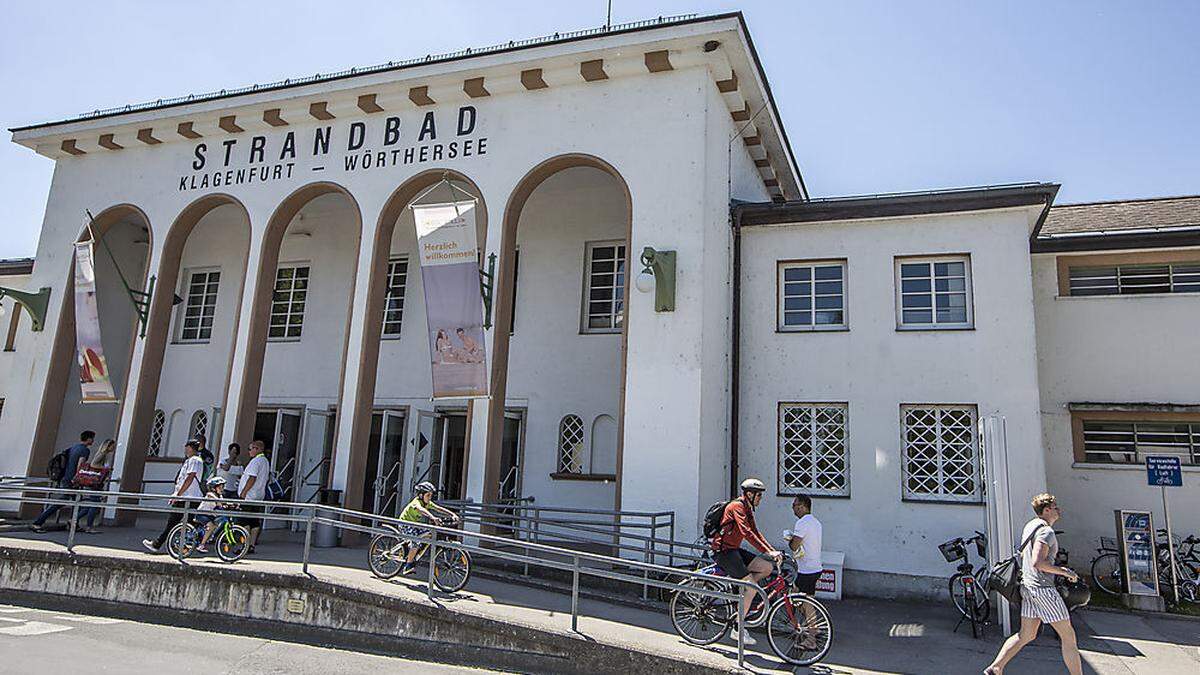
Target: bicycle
(799, 628)
(231, 541)
(388, 552)
(968, 586)
(1108, 576)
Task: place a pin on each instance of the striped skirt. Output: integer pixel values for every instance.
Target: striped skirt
(1043, 603)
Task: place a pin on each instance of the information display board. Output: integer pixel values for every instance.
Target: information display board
(1135, 530)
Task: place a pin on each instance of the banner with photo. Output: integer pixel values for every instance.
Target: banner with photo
(94, 383)
(449, 253)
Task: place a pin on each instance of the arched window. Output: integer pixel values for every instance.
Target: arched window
(158, 429)
(604, 445)
(570, 444)
(199, 425)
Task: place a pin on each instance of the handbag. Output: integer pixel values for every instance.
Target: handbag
(90, 477)
(1005, 576)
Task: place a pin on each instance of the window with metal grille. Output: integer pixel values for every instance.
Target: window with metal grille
(158, 429)
(1183, 277)
(812, 296)
(812, 449)
(934, 292)
(604, 292)
(570, 444)
(941, 453)
(199, 425)
(393, 302)
(200, 307)
(1130, 442)
(287, 302)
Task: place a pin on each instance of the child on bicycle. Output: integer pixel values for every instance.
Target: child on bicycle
(213, 500)
(421, 510)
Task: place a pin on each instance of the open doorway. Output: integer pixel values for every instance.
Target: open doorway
(441, 452)
(383, 481)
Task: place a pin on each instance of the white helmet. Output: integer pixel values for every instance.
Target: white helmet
(753, 485)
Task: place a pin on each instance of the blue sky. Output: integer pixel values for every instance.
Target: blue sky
(1103, 97)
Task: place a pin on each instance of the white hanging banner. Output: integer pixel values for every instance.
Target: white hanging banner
(453, 303)
(94, 382)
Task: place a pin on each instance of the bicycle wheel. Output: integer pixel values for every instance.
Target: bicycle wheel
(233, 543)
(701, 619)
(451, 569)
(799, 629)
(1106, 573)
(958, 593)
(1189, 591)
(181, 541)
(385, 555)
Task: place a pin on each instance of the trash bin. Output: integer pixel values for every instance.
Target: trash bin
(324, 534)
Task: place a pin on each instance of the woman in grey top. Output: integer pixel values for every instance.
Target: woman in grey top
(1040, 600)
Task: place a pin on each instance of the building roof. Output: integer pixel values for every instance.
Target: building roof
(1132, 223)
(16, 266)
(894, 204)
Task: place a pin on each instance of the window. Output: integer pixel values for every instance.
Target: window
(199, 425)
(934, 292)
(941, 455)
(287, 303)
(1182, 277)
(158, 429)
(570, 444)
(812, 449)
(812, 296)
(604, 295)
(393, 302)
(200, 306)
(1122, 442)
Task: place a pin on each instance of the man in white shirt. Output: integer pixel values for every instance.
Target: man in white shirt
(187, 492)
(253, 486)
(805, 543)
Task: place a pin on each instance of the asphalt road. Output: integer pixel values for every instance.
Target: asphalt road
(37, 641)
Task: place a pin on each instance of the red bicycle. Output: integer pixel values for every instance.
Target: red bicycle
(799, 628)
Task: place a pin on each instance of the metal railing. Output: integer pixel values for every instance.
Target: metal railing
(476, 543)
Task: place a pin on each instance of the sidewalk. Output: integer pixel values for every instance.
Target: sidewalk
(871, 636)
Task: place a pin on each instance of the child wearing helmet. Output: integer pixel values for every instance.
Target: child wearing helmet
(421, 510)
(213, 500)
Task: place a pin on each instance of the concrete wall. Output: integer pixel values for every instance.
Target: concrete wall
(14, 373)
(1124, 349)
(876, 368)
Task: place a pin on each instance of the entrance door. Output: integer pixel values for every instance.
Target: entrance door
(316, 450)
(450, 460)
(511, 454)
(286, 450)
(424, 451)
(384, 479)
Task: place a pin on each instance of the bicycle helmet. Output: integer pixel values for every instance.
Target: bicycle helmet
(216, 481)
(753, 485)
(424, 486)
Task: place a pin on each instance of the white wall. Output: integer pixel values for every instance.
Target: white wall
(876, 368)
(1125, 349)
(14, 374)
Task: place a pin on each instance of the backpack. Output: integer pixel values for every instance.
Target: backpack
(1005, 577)
(56, 468)
(274, 492)
(713, 518)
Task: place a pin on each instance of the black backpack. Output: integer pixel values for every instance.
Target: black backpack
(713, 518)
(56, 468)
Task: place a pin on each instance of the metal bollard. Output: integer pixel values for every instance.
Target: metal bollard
(308, 538)
(575, 597)
(73, 524)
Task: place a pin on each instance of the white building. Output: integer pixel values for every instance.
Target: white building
(279, 215)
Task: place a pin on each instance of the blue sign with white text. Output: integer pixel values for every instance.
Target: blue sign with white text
(1164, 470)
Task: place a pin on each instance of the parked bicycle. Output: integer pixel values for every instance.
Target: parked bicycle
(388, 552)
(799, 628)
(231, 541)
(968, 586)
(1108, 576)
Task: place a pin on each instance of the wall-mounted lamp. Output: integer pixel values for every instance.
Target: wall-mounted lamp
(658, 273)
(34, 303)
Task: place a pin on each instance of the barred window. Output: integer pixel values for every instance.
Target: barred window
(812, 449)
(570, 444)
(1130, 442)
(604, 292)
(287, 302)
(200, 307)
(941, 453)
(158, 429)
(1183, 277)
(393, 303)
(934, 292)
(812, 296)
(199, 425)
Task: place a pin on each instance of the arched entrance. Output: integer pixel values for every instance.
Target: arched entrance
(122, 242)
(564, 357)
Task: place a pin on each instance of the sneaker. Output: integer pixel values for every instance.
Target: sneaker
(201, 549)
(37, 528)
(407, 569)
(90, 530)
(746, 638)
(149, 545)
